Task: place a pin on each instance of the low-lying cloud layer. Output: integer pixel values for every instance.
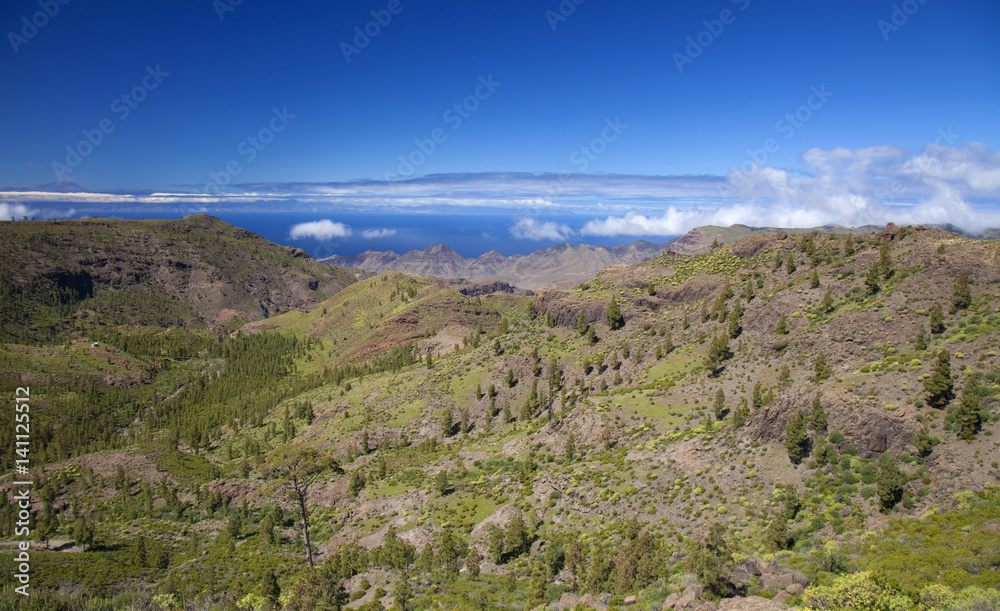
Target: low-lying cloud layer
(851, 187)
(873, 185)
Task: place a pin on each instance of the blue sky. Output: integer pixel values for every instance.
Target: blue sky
(878, 103)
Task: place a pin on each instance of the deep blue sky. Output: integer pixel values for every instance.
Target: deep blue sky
(942, 67)
(937, 73)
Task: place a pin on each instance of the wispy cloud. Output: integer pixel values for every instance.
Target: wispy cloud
(527, 228)
(373, 234)
(320, 230)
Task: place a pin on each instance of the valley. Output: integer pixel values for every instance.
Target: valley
(763, 420)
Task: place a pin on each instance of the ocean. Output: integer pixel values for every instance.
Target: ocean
(469, 234)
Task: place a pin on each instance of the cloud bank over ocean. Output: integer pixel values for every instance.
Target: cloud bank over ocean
(872, 185)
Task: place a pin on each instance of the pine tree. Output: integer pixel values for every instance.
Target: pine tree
(234, 527)
(826, 306)
(402, 592)
(784, 376)
(796, 439)
(820, 368)
(83, 532)
(447, 422)
(961, 296)
(790, 264)
(719, 407)
(710, 559)
(781, 327)
(472, 561)
(818, 416)
(357, 484)
(890, 482)
(570, 447)
(923, 442)
(814, 280)
(885, 261)
(269, 589)
(479, 392)
(742, 413)
(614, 315)
(871, 279)
(516, 535)
(937, 319)
(939, 386)
(651, 290)
(777, 533)
(735, 319)
(849, 245)
(757, 396)
(581, 326)
(718, 353)
(920, 341)
(441, 483)
(267, 529)
(968, 416)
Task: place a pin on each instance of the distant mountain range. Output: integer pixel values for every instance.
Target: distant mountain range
(560, 265)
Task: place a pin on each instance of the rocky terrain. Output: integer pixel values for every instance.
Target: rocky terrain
(194, 271)
(784, 420)
(560, 265)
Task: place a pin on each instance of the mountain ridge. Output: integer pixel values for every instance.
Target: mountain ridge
(557, 265)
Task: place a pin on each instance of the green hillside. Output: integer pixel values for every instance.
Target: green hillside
(784, 421)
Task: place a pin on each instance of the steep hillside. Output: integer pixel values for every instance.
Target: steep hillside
(392, 309)
(700, 239)
(560, 265)
(197, 271)
(782, 421)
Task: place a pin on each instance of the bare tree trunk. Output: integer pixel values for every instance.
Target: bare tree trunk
(300, 495)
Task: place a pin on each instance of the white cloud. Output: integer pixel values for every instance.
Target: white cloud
(321, 230)
(371, 234)
(527, 228)
(957, 184)
(17, 211)
(851, 187)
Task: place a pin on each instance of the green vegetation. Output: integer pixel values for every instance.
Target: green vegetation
(398, 443)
